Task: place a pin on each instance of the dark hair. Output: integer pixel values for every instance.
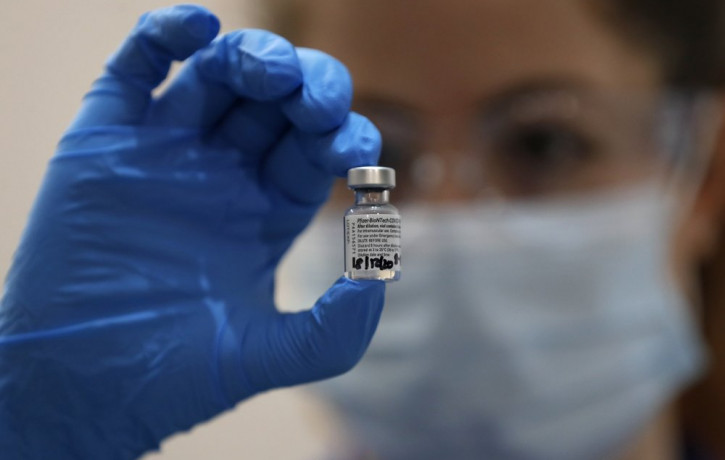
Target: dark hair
(687, 35)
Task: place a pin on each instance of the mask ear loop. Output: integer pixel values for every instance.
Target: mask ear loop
(689, 130)
(697, 119)
(691, 125)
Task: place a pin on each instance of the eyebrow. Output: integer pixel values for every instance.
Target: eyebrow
(498, 101)
(503, 99)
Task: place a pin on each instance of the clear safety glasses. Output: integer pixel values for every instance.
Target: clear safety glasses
(556, 143)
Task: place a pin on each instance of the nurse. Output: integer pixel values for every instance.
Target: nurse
(560, 187)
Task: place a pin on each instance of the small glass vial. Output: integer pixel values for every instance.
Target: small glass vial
(372, 226)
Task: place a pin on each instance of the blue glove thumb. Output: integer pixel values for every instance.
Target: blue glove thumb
(296, 348)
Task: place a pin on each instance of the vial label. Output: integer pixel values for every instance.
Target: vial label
(372, 244)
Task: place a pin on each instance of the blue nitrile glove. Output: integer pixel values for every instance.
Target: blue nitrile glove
(140, 301)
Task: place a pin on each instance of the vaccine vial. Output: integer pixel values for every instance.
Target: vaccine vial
(372, 226)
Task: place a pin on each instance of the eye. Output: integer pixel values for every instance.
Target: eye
(536, 158)
(543, 146)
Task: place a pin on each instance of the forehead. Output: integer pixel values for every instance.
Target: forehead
(435, 52)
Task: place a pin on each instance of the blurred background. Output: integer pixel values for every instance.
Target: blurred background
(51, 51)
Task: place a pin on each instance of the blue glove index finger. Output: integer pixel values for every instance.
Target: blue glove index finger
(324, 100)
(245, 64)
(302, 167)
(253, 127)
(253, 63)
(162, 36)
(121, 95)
(318, 106)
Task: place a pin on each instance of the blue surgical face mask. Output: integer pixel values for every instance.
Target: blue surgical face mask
(544, 331)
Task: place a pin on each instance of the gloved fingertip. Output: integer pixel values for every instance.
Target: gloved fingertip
(372, 287)
(142, 19)
(324, 101)
(174, 32)
(365, 294)
(359, 144)
(270, 68)
(200, 22)
(283, 77)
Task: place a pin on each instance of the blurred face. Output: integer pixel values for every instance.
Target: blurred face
(520, 101)
(522, 98)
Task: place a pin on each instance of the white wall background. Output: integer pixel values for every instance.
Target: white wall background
(50, 52)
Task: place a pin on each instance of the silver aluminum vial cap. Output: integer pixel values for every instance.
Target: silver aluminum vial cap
(371, 177)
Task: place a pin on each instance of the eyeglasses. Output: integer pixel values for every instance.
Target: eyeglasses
(555, 142)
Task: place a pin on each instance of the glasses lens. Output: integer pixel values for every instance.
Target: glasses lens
(552, 143)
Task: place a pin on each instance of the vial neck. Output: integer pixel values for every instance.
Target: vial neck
(372, 196)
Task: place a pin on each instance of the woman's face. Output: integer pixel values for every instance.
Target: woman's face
(523, 99)
(529, 97)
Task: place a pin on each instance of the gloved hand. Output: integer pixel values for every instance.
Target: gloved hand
(140, 301)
